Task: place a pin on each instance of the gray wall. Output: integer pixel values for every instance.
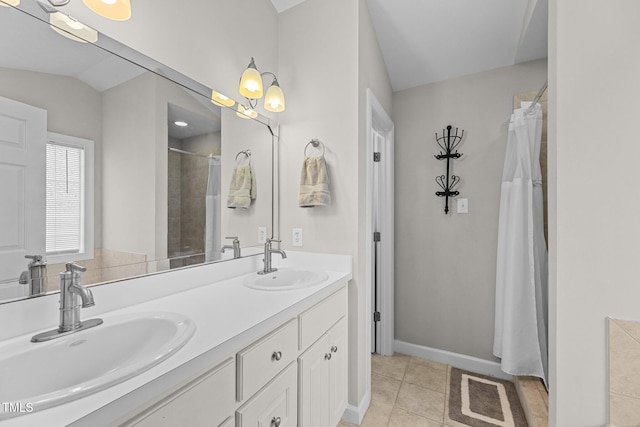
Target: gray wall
(445, 264)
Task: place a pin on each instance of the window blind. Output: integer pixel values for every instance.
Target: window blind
(64, 199)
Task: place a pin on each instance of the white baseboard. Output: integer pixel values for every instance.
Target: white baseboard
(469, 363)
(353, 414)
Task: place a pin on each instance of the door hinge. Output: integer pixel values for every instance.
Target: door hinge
(376, 236)
(376, 316)
(376, 157)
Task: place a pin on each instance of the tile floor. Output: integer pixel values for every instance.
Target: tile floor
(407, 391)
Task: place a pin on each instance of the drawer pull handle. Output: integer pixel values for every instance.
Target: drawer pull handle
(275, 422)
(327, 356)
(277, 355)
(334, 349)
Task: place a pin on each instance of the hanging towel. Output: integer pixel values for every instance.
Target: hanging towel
(314, 183)
(243, 187)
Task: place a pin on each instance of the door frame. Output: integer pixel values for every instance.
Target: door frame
(379, 120)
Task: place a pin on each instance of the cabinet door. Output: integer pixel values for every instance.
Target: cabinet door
(338, 371)
(274, 405)
(206, 401)
(313, 384)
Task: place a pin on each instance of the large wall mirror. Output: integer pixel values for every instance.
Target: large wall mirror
(116, 162)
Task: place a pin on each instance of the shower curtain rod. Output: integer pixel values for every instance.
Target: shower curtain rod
(176, 150)
(537, 97)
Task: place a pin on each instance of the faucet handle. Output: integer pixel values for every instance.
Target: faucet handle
(35, 258)
(232, 238)
(273, 240)
(73, 267)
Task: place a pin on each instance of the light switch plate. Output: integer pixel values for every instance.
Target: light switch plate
(296, 237)
(463, 206)
(262, 235)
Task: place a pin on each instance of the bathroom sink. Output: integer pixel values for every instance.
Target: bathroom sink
(41, 375)
(285, 279)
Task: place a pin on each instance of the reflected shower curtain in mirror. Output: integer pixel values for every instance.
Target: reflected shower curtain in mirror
(212, 238)
(520, 338)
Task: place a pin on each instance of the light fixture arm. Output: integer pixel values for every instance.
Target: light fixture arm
(58, 3)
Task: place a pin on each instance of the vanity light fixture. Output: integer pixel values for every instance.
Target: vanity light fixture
(71, 28)
(118, 10)
(7, 3)
(251, 88)
(181, 123)
(246, 113)
(221, 100)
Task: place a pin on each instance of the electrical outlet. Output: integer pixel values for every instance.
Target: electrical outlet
(463, 206)
(262, 235)
(296, 238)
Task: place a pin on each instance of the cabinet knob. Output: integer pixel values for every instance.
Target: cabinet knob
(277, 355)
(334, 349)
(327, 356)
(275, 422)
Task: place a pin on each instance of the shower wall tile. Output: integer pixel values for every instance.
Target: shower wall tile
(624, 372)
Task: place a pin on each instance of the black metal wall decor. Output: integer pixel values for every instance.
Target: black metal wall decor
(448, 143)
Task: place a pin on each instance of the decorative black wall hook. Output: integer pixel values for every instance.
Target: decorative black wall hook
(447, 182)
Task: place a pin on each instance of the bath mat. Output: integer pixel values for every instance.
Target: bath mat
(480, 401)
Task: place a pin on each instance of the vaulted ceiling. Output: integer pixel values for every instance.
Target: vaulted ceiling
(425, 41)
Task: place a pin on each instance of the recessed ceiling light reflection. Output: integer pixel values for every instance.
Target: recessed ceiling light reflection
(180, 123)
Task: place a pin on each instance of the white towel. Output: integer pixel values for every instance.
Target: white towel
(243, 187)
(314, 183)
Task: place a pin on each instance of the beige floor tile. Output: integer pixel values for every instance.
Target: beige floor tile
(421, 401)
(625, 410)
(346, 424)
(384, 390)
(424, 362)
(377, 415)
(393, 366)
(426, 377)
(402, 418)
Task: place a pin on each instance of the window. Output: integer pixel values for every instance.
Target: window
(69, 204)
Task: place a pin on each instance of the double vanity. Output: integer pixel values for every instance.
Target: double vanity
(231, 348)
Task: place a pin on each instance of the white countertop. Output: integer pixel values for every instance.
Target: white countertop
(226, 314)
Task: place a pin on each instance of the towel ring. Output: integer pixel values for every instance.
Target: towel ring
(247, 154)
(315, 143)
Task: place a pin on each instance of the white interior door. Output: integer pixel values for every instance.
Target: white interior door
(23, 138)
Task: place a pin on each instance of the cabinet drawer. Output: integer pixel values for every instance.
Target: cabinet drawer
(319, 318)
(205, 401)
(261, 361)
(275, 402)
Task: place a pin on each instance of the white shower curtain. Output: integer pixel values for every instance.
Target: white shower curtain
(212, 238)
(521, 278)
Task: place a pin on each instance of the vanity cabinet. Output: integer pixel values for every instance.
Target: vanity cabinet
(322, 377)
(206, 401)
(275, 405)
(293, 375)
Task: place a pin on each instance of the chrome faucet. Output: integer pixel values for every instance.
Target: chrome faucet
(235, 246)
(70, 288)
(35, 275)
(267, 256)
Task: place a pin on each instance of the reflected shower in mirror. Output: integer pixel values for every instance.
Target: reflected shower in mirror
(114, 161)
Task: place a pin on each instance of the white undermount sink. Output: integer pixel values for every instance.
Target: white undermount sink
(286, 278)
(42, 375)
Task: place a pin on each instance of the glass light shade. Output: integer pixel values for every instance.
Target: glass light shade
(221, 100)
(274, 99)
(251, 82)
(246, 113)
(7, 3)
(118, 10)
(72, 28)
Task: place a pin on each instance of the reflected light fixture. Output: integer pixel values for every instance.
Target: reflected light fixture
(181, 123)
(118, 10)
(221, 100)
(7, 3)
(251, 88)
(71, 28)
(246, 113)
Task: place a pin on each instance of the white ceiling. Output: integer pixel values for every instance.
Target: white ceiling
(425, 41)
